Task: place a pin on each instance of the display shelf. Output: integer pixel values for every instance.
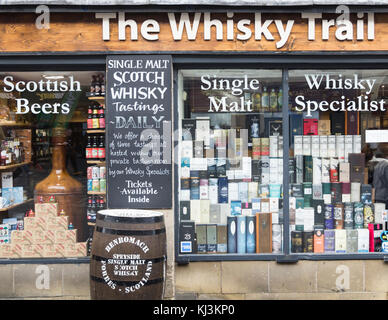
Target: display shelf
(95, 131)
(14, 166)
(97, 98)
(14, 124)
(96, 193)
(96, 162)
(15, 205)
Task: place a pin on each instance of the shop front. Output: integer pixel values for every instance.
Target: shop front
(260, 132)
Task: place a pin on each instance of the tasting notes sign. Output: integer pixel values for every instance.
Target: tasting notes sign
(138, 155)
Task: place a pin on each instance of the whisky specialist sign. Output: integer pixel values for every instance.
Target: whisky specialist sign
(139, 101)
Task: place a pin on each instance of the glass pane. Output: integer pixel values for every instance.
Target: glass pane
(230, 161)
(338, 184)
(47, 121)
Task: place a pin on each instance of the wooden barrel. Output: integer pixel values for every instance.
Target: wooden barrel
(128, 256)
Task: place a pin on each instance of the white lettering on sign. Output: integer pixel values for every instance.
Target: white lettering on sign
(325, 81)
(126, 265)
(236, 87)
(23, 105)
(131, 240)
(184, 26)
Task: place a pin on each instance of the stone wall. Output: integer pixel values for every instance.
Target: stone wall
(351, 279)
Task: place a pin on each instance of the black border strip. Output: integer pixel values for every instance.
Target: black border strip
(298, 8)
(80, 260)
(155, 260)
(103, 217)
(128, 283)
(131, 232)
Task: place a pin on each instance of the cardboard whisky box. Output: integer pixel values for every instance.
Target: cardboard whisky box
(184, 210)
(310, 127)
(331, 146)
(38, 236)
(299, 170)
(315, 146)
(357, 166)
(306, 145)
(57, 223)
(30, 223)
(204, 211)
(211, 238)
(363, 240)
(215, 214)
(16, 250)
(201, 238)
(232, 234)
(241, 234)
(344, 172)
(5, 251)
(187, 237)
(46, 209)
(17, 236)
(324, 127)
(71, 236)
(351, 241)
(29, 252)
(323, 151)
(319, 240)
(195, 210)
(263, 233)
(356, 144)
(296, 126)
(222, 239)
(188, 129)
(340, 241)
(340, 146)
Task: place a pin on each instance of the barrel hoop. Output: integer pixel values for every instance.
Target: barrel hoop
(131, 232)
(155, 260)
(128, 283)
(104, 217)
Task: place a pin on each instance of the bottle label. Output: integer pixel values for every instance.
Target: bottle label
(94, 152)
(102, 123)
(95, 123)
(88, 153)
(101, 153)
(90, 123)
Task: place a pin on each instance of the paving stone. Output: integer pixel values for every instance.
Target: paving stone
(6, 283)
(76, 281)
(200, 277)
(298, 277)
(376, 276)
(244, 276)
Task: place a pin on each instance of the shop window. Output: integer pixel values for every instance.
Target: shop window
(337, 170)
(230, 162)
(52, 162)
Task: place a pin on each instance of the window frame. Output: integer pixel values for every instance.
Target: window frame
(283, 62)
(70, 61)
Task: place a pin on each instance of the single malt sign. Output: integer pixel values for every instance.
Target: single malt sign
(128, 256)
(138, 158)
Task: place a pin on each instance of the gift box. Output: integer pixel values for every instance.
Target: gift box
(46, 209)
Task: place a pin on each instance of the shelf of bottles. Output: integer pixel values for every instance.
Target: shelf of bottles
(13, 152)
(95, 149)
(42, 147)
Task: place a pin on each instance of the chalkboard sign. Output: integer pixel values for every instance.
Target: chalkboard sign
(138, 136)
